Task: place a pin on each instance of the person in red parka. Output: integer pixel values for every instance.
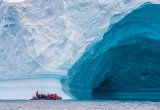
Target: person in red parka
(48, 96)
(55, 96)
(37, 94)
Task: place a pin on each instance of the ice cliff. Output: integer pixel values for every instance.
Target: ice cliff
(38, 36)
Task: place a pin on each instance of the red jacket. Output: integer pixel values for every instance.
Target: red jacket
(48, 96)
(55, 96)
(37, 94)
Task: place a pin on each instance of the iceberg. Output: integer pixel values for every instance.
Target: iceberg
(85, 42)
(125, 63)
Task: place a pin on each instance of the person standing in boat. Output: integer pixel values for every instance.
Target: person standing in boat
(37, 95)
(48, 96)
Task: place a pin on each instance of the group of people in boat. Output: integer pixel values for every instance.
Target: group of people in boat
(46, 97)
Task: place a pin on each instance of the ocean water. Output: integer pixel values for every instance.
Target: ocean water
(79, 105)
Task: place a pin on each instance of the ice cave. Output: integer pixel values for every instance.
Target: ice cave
(125, 63)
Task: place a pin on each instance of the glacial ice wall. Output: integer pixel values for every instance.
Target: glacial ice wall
(49, 36)
(125, 63)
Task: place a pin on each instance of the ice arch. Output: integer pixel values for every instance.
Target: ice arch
(125, 63)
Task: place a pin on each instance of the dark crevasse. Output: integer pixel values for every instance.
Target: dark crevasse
(125, 64)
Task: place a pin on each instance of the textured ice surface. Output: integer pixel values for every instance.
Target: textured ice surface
(51, 35)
